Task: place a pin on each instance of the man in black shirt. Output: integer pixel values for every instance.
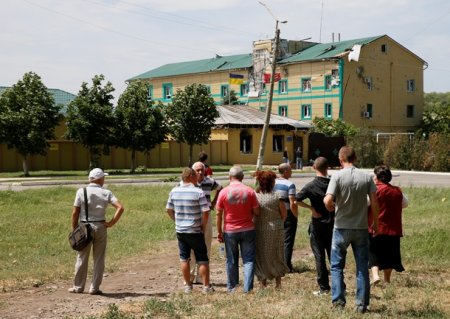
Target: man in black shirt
(322, 221)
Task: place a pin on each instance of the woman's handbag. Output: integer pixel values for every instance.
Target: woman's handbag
(81, 236)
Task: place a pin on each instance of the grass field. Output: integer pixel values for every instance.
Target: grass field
(34, 226)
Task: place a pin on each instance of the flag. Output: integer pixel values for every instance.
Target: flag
(267, 76)
(236, 78)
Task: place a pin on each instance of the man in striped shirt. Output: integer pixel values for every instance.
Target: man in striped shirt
(188, 208)
(208, 185)
(286, 191)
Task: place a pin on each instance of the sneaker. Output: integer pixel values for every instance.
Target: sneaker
(75, 290)
(338, 305)
(208, 289)
(95, 292)
(361, 309)
(319, 293)
(187, 289)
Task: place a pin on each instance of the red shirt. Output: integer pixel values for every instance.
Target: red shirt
(237, 202)
(390, 216)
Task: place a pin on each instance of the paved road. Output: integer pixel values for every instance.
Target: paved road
(400, 178)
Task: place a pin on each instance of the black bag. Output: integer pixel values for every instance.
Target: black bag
(81, 236)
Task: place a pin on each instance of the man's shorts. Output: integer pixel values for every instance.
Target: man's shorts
(196, 242)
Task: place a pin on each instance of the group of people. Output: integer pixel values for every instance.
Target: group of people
(350, 208)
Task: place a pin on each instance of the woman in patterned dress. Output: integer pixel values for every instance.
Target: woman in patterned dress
(270, 262)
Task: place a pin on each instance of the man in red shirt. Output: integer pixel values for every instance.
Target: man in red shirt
(236, 207)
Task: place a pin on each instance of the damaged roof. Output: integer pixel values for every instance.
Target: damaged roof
(245, 116)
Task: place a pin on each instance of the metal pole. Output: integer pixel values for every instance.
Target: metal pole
(262, 145)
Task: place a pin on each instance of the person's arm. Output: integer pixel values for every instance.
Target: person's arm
(293, 205)
(283, 211)
(405, 201)
(219, 225)
(214, 201)
(375, 210)
(205, 217)
(119, 210)
(329, 202)
(75, 216)
(314, 213)
(171, 213)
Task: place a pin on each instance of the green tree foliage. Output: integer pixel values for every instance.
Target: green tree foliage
(139, 125)
(333, 127)
(230, 99)
(366, 147)
(191, 116)
(436, 114)
(90, 118)
(28, 117)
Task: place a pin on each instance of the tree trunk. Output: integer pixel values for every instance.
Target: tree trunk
(190, 154)
(26, 173)
(133, 160)
(91, 159)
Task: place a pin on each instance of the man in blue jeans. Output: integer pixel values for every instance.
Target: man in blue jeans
(236, 207)
(347, 194)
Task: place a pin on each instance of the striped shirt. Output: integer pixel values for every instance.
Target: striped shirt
(208, 185)
(189, 203)
(285, 188)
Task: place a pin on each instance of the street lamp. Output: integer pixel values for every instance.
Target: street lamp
(262, 145)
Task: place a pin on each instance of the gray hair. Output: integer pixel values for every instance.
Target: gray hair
(283, 168)
(198, 163)
(236, 172)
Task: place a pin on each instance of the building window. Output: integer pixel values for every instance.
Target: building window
(410, 85)
(167, 91)
(328, 83)
(283, 110)
(410, 111)
(306, 111)
(149, 92)
(244, 89)
(368, 81)
(369, 111)
(282, 87)
(224, 90)
(306, 85)
(277, 145)
(262, 108)
(328, 111)
(384, 48)
(245, 142)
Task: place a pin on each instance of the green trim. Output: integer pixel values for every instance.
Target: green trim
(242, 86)
(222, 86)
(307, 97)
(303, 117)
(327, 77)
(301, 84)
(280, 112)
(341, 89)
(150, 92)
(279, 87)
(164, 96)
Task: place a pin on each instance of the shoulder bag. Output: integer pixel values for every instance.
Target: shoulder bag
(81, 236)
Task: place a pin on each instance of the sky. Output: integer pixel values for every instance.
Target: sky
(67, 42)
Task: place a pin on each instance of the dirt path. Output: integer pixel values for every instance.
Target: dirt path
(153, 275)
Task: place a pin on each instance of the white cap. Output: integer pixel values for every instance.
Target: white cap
(97, 173)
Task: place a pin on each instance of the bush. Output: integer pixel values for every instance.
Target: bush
(367, 150)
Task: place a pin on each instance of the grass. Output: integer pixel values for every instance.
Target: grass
(35, 223)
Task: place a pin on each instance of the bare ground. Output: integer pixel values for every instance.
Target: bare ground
(155, 274)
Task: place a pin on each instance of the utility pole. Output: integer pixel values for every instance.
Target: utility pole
(262, 145)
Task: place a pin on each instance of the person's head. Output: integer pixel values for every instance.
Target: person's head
(285, 170)
(383, 173)
(321, 165)
(202, 156)
(347, 154)
(199, 169)
(97, 175)
(188, 175)
(236, 172)
(266, 181)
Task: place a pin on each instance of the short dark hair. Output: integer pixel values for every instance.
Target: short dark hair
(347, 154)
(321, 164)
(187, 174)
(383, 173)
(202, 156)
(266, 181)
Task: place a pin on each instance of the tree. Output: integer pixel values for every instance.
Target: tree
(436, 115)
(139, 124)
(331, 127)
(230, 99)
(90, 118)
(28, 117)
(191, 116)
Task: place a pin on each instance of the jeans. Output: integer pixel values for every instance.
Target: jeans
(290, 229)
(246, 240)
(320, 236)
(342, 238)
(299, 163)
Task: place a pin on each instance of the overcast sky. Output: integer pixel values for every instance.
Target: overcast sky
(67, 42)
